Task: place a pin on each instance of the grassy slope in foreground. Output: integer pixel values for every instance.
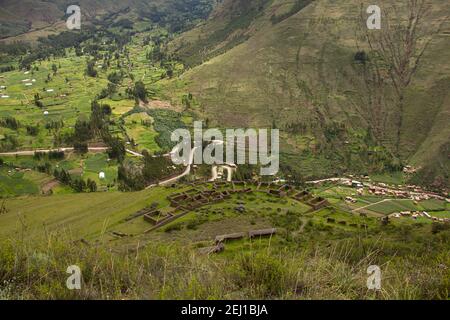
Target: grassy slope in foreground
(312, 260)
(87, 214)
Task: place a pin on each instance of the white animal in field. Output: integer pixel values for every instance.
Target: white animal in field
(45, 113)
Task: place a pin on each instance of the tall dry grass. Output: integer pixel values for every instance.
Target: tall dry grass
(338, 271)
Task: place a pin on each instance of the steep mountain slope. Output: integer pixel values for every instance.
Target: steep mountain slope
(294, 65)
(23, 17)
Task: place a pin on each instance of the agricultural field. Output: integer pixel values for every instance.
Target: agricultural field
(42, 107)
(65, 93)
(85, 215)
(397, 205)
(139, 128)
(87, 166)
(14, 183)
(96, 163)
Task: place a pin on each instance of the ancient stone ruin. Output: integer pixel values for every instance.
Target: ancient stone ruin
(206, 193)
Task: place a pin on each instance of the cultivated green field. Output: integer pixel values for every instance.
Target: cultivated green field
(16, 183)
(82, 215)
(67, 94)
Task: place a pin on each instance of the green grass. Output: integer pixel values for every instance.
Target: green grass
(72, 95)
(433, 205)
(16, 183)
(396, 178)
(85, 215)
(96, 162)
(304, 241)
(392, 206)
(144, 136)
(441, 214)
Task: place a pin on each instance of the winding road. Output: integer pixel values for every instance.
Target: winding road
(102, 149)
(32, 152)
(178, 177)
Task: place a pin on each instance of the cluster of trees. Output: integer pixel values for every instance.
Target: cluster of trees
(32, 130)
(187, 100)
(52, 155)
(38, 102)
(159, 53)
(83, 131)
(115, 77)
(15, 48)
(44, 168)
(100, 114)
(110, 89)
(86, 129)
(54, 68)
(90, 68)
(78, 184)
(116, 147)
(133, 177)
(139, 92)
(53, 45)
(178, 15)
(97, 126)
(130, 177)
(54, 125)
(10, 122)
(244, 172)
(292, 175)
(6, 69)
(9, 143)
